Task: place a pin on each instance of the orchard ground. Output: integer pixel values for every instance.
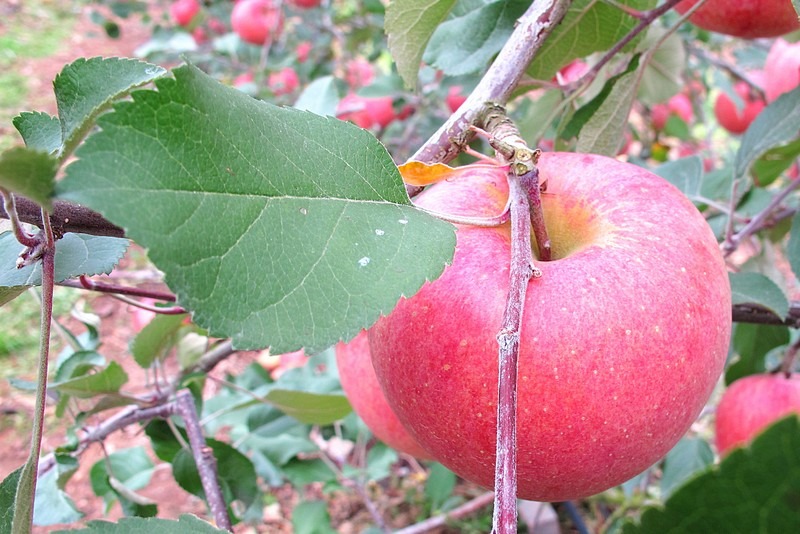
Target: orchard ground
(37, 38)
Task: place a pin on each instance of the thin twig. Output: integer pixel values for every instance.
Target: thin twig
(204, 458)
(9, 205)
(468, 508)
(84, 282)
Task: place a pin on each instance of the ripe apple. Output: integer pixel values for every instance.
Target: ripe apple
(283, 82)
(256, 21)
(305, 4)
(455, 98)
(358, 73)
(571, 72)
(303, 50)
(362, 389)
(744, 18)
(183, 11)
(736, 120)
(782, 69)
(624, 334)
(243, 79)
(751, 404)
(679, 105)
(366, 112)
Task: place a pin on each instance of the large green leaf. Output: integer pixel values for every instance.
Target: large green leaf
(475, 31)
(40, 131)
(76, 254)
(186, 524)
(753, 490)
(776, 125)
(156, 338)
(86, 87)
(686, 459)
(755, 288)
(589, 26)
(409, 26)
(53, 505)
(106, 380)
(274, 226)
(30, 173)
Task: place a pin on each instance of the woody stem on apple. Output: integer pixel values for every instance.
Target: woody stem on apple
(525, 208)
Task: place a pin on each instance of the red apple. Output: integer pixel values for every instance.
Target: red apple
(624, 336)
(362, 389)
(243, 79)
(679, 105)
(183, 11)
(305, 4)
(571, 72)
(256, 21)
(283, 82)
(358, 73)
(366, 112)
(200, 35)
(752, 403)
(455, 98)
(303, 50)
(782, 69)
(736, 120)
(744, 18)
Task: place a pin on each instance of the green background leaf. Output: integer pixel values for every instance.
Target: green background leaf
(186, 524)
(311, 517)
(409, 26)
(753, 490)
(686, 459)
(107, 380)
(313, 233)
(40, 131)
(155, 338)
(312, 408)
(76, 254)
(8, 498)
(30, 173)
(752, 343)
(755, 288)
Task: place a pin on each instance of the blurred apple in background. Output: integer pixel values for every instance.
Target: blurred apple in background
(782, 69)
(744, 18)
(737, 119)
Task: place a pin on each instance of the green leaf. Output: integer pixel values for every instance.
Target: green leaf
(311, 408)
(86, 87)
(793, 246)
(130, 467)
(107, 380)
(8, 498)
(40, 131)
(752, 490)
(777, 124)
(311, 517)
(313, 237)
(409, 26)
(757, 289)
(686, 459)
(439, 486)
(186, 524)
(7, 294)
(53, 505)
(76, 254)
(78, 364)
(774, 161)
(320, 97)
(752, 343)
(235, 471)
(158, 336)
(29, 173)
(686, 174)
(589, 26)
(475, 31)
(602, 131)
(663, 74)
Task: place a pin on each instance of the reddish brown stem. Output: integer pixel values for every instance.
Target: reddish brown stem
(84, 282)
(469, 507)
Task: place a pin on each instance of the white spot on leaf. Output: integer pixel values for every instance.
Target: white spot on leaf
(363, 262)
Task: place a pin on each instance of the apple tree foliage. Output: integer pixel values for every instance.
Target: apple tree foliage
(281, 227)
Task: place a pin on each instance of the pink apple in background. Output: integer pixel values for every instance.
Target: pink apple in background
(217, 26)
(359, 73)
(737, 120)
(752, 403)
(362, 389)
(623, 339)
(367, 112)
(455, 97)
(571, 72)
(243, 79)
(256, 21)
(280, 363)
(782, 69)
(750, 19)
(303, 50)
(305, 4)
(679, 105)
(200, 35)
(283, 82)
(183, 11)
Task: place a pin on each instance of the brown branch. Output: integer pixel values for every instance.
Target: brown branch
(748, 313)
(204, 458)
(468, 508)
(500, 80)
(66, 217)
(101, 287)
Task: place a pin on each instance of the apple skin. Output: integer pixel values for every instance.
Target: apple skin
(364, 393)
(751, 404)
(733, 119)
(256, 21)
(623, 338)
(305, 4)
(183, 11)
(781, 69)
(366, 112)
(749, 19)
